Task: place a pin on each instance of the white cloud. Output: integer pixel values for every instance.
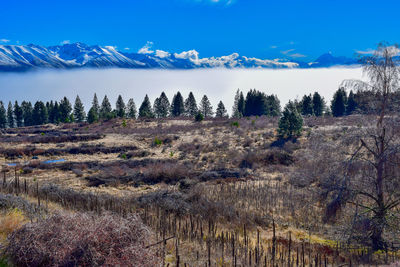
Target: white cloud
(292, 55)
(225, 2)
(273, 46)
(369, 51)
(146, 49)
(285, 52)
(126, 48)
(4, 40)
(233, 60)
(214, 2)
(297, 55)
(162, 54)
(65, 42)
(191, 54)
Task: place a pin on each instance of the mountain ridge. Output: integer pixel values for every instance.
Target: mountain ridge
(80, 55)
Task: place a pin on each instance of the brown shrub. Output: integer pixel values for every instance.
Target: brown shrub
(191, 148)
(147, 171)
(81, 239)
(135, 154)
(168, 173)
(273, 157)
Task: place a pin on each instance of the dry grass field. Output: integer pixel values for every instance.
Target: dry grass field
(214, 193)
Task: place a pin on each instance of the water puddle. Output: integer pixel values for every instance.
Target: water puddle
(53, 161)
(14, 164)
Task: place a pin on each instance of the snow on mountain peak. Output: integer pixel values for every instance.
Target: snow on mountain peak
(75, 55)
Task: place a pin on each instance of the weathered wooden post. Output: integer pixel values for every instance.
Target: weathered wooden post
(273, 242)
(289, 249)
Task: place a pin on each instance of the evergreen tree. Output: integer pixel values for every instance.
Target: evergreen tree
(191, 109)
(131, 109)
(298, 105)
(10, 116)
(145, 110)
(27, 110)
(161, 106)
(105, 109)
(199, 117)
(39, 113)
(291, 122)
(238, 108)
(48, 108)
(157, 108)
(221, 111)
(79, 110)
(241, 104)
(50, 111)
(18, 115)
(177, 105)
(273, 106)
(338, 105)
(92, 115)
(3, 116)
(205, 107)
(65, 109)
(306, 105)
(351, 104)
(120, 107)
(235, 109)
(56, 112)
(318, 104)
(255, 104)
(95, 105)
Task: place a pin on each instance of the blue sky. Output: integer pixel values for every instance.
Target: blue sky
(293, 29)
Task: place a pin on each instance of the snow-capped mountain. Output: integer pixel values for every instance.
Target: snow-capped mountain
(78, 55)
(25, 57)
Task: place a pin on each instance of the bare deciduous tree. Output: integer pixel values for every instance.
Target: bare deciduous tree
(370, 175)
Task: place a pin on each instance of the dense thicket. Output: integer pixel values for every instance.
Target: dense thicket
(82, 239)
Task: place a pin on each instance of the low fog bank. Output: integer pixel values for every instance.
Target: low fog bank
(217, 84)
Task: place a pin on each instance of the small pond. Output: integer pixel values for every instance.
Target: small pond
(13, 164)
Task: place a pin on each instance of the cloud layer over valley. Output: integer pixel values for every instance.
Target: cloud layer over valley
(218, 84)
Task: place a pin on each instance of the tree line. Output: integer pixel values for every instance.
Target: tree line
(255, 103)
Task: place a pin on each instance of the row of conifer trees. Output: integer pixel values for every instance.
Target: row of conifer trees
(256, 103)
